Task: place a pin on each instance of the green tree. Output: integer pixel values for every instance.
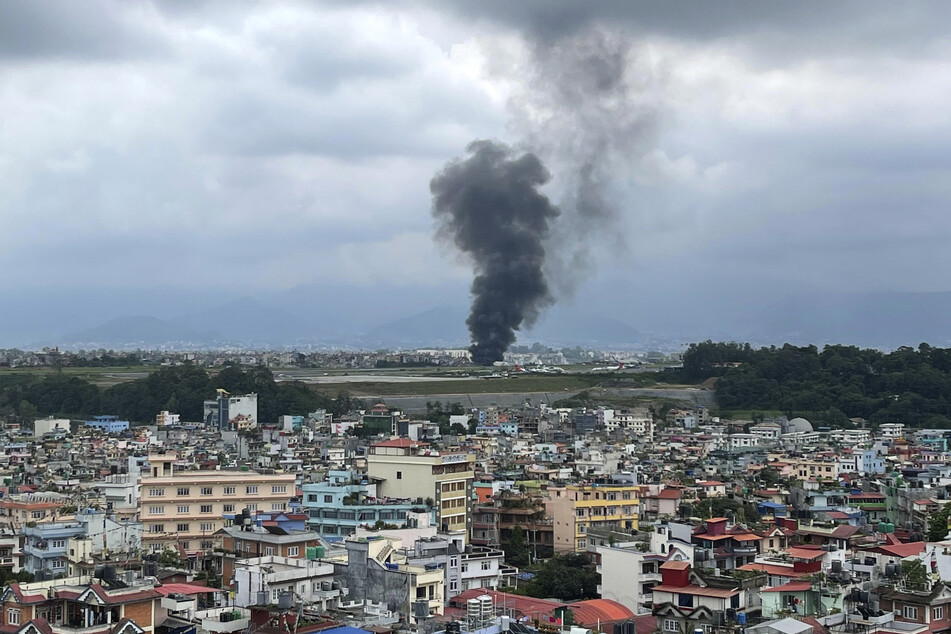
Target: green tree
(914, 575)
(516, 552)
(565, 577)
(938, 524)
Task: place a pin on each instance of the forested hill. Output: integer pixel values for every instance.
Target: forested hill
(181, 389)
(832, 385)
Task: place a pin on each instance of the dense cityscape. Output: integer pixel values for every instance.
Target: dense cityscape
(475, 317)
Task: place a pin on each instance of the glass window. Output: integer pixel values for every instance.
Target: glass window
(182, 528)
(251, 489)
(206, 508)
(207, 491)
(183, 491)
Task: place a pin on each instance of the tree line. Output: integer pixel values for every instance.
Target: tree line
(829, 385)
(180, 389)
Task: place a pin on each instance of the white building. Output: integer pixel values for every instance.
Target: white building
(744, 440)
(43, 426)
(767, 431)
(263, 580)
(891, 431)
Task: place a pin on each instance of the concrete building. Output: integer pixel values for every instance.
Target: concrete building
(375, 572)
(108, 424)
(183, 510)
(271, 580)
(165, 417)
(407, 469)
(249, 542)
(336, 507)
(628, 576)
(577, 507)
(232, 413)
(49, 426)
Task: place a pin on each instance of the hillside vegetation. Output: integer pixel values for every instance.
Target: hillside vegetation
(830, 385)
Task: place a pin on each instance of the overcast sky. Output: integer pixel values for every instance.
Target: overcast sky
(799, 146)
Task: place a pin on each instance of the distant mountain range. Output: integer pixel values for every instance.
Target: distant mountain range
(394, 317)
(250, 322)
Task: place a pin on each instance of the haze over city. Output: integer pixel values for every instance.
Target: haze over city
(773, 173)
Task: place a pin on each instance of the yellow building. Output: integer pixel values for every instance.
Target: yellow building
(406, 468)
(181, 510)
(577, 508)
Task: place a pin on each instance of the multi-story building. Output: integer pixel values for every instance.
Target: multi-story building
(339, 505)
(11, 550)
(51, 426)
(628, 575)
(183, 510)
(232, 412)
(685, 602)
(577, 507)
(247, 542)
(407, 469)
(263, 581)
(108, 424)
(75, 547)
(492, 524)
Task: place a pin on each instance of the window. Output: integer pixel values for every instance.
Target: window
(453, 562)
(13, 616)
(156, 493)
(251, 489)
(910, 612)
(156, 510)
(279, 489)
(685, 600)
(58, 563)
(229, 490)
(453, 586)
(937, 613)
(399, 475)
(207, 491)
(183, 491)
(206, 527)
(229, 508)
(268, 550)
(252, 507)
(278, 506)
(184, 545)
(157, 528)
(206, 508)
(487, 565)
(58, 543)
(293, 551)
(328, 499)
(670, 625)
(465, 567)
(182, 528)
(207, 545)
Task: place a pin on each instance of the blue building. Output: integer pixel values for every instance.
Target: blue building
(109, 424)
(336, 507)
(45, 549)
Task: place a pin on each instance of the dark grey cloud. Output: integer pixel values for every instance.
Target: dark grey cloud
(59, 29)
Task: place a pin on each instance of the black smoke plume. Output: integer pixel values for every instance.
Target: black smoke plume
(490, 206)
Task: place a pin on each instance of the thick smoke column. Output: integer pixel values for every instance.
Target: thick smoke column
(490, 206)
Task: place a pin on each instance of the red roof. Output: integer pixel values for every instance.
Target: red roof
(184, 588)
(711, 483)
(402, 443)
(675, 565)
(527, 606)
(902, 550)
(792, 586)
(805, 553)
(774, 569)
(670, 494)
(594, 611)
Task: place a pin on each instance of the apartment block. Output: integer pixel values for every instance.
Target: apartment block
(576, 508)
(182, 510)
(404, 468)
